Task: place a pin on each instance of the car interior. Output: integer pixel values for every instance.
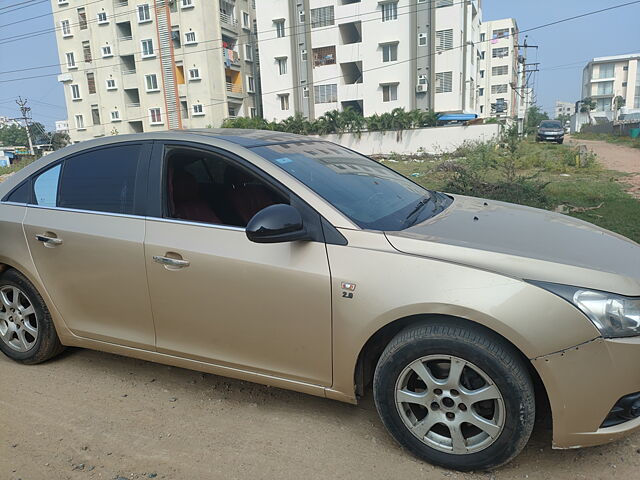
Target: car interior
(204, 187)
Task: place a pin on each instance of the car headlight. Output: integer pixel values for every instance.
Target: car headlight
(614, 315)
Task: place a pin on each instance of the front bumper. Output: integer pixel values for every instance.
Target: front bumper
(584, 383)
(550, 138)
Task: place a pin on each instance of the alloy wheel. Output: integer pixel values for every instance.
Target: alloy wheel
(450, 404)
(18, 319)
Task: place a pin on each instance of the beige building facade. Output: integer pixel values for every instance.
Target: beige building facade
(145, 65)
(606, 78)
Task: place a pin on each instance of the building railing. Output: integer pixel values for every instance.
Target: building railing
(120, 3)
(133, 104)
(125, 38)
(128, 71)
(233, 88)
(230, 56)
(228, 19)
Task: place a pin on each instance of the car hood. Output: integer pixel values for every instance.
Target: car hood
(526, 243)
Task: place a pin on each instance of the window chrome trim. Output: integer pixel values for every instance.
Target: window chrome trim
(137, 217)
(197, 224)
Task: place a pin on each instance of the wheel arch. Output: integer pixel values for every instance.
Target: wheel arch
(372, 350)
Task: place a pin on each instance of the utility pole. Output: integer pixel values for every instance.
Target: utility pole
(524, 83)
(25, 116)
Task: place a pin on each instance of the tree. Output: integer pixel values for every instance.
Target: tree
(59, 140)
(534, 117)
(564, 118)
(586, 105)
(13, 135)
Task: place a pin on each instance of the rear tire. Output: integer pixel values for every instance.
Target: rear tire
(27, 333)
(428, 410)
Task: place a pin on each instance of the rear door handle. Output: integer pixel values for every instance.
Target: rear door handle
(51, 241)
(171, 262)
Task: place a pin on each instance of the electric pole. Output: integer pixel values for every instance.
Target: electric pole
(526, 93)
(25, 116)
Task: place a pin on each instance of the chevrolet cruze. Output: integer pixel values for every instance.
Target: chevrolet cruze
(297, 263)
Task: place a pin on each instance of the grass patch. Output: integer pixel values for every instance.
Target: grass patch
(538, 175)
(15, 167)
(606, 137)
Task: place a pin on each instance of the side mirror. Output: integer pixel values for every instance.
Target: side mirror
(276, 224)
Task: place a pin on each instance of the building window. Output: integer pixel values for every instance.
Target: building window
(500, 70)
(279, 28)
(144, 13)
(187, 4)
(91, 83)
(79, 122)
(322, 17)
(605, 88)
(65, 26)
(190, 38)
(481, 92)
(284, 101)
(251, 84)
(389, 11)
(63, 2)
(303, 55)
(197, 110)
(115, 116)
(390, 52)
(75, 91)
(501, 33)
(305, 92)
(607, 70)
(155, 117)
(481, 108)
(147, 48)
(481, 73)
(95, 115)
(246, 21)
(71, 60)
(422, 39)
(444, 82)
(500, 52)
(483, 37)
(194, 74)
(248, 52)
(106, 51)
(326, 93)
(324, 56)
(111, 84)
(282, 65)
(603, 104)
(482, 55)
(82, 18)
(86, 50)
(496, 89)
(389, 93)
(444, 40)
(151, 82)
(102, 18)
(253, 112)
(443, 3)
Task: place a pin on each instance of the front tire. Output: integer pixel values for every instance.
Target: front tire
(455, 395)
(27, 333)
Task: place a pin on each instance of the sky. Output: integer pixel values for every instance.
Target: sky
(563, 50)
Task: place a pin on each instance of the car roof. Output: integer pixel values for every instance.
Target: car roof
(251, 138)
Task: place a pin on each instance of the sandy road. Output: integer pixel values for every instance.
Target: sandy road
(91, 415)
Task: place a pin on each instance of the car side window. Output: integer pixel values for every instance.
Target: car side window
(205, 187)
(101, 180)
(45, 187)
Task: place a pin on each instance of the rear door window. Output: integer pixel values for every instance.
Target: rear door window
(45, 187)
(101, 180)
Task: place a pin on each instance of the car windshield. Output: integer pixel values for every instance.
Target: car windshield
(550, 125)
(370, 194)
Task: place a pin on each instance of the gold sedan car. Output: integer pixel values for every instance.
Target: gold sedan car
(297, 263)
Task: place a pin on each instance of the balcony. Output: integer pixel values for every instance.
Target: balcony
(230, 57)
(228, 21)
(120, 3)
(234, 88)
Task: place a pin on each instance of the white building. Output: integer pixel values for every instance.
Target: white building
(8, 122)
(605, 78)
(499, 83)
(62, 126)
(371, 55)
(564, 108)
(144, 65)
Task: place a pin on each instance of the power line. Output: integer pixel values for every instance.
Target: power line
(21, 6)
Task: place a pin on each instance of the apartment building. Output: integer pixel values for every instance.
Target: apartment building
(371, 55)
(605, 78)
(499, 84)
(144, 65)
(564, 108)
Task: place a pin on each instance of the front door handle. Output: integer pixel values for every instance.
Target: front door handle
(50, 241)
(171, 262)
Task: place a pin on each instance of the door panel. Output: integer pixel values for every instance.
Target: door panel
(96, 276)
(262, 307)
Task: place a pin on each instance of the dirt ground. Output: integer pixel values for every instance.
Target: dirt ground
(92, 415)
(616, 157)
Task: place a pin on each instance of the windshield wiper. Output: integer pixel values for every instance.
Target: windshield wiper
(424, 201)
